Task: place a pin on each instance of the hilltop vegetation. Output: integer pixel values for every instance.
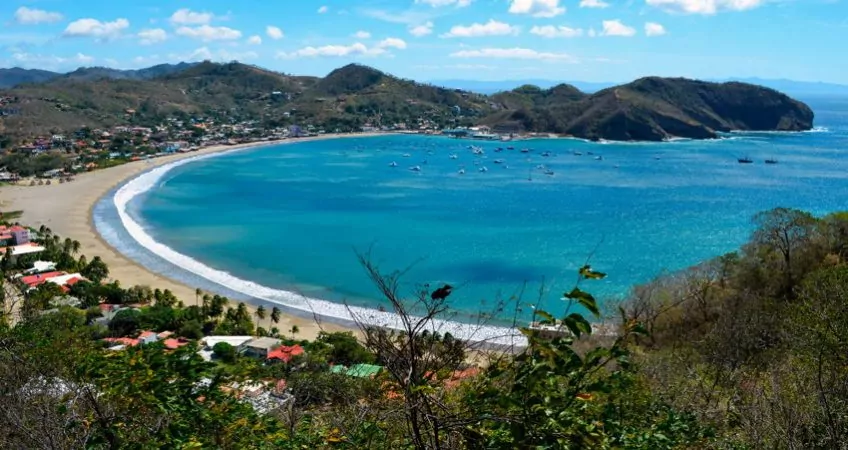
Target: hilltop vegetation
(355, 96)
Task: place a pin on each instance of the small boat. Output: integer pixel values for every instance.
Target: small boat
(461, 171)
(771, 161)
(510, 148)
(546, 154)
(525, 150)
(745, 160)
(589, 153)
(549, 172)
(454, 156)
(392, 164)
(499, 161)
(483, 169)
(499, 149)
(599, 158)
(541, 167)
(415, 168)
(578, 153)
(406, 155)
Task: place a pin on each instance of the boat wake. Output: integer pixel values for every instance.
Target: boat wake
(489, 335)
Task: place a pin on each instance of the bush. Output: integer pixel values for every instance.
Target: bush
(225, 352)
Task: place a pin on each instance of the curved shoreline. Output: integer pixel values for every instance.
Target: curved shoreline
(254, 293)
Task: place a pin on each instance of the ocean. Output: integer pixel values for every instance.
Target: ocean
(283, 223)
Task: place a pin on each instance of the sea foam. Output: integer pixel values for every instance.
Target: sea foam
(489, 335)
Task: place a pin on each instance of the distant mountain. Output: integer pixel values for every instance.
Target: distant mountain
(354, 96)
(15, 76)
(790, 87)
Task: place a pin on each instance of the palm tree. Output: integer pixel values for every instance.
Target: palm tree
(75, 247)
(294, 330)
(275, 315)
(197, 293)
(260, 314)
(67, 245)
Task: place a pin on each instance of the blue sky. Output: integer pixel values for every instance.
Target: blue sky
(587, 40)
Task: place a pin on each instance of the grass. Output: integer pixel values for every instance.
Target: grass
(6, 216)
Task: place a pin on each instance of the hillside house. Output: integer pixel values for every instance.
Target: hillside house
(260, 347)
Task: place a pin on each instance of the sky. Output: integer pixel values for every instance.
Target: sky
(585, 40)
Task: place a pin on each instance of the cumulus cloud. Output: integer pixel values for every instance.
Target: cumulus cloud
(654, 29)
(392, 43)
(207, 33)
(30, 16)
(362, 35)
(204, 53)
(616, 28)
(323, 9)
(152, 36)
(704, 6)
(550, 31)
(254, 40)
(50, 60)
(186, 16)
(490, 28)
(438, 3)
(274, 32)
(536, 8)
(421, 30)
(96, 29)
(593, 4)
(331, 51)
(513, 53)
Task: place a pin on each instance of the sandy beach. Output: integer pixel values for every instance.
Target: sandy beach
(67, 210)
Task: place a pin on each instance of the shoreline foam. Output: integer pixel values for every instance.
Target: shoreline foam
(334, 312)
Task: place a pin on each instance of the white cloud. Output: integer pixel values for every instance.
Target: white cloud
(362, 35)
(593, 4)
(208, 33)
(186, 16)
(152, 36)
(704, 6)
(50, 60)
(392, 43)
(274, 32)
(550, 31)
(96, 29)
(438, 3)
(616, 28)
(323, 9)
(421, 30)
(29, 16)
(654, 29)
(330, 51)
(513, 53)
(536, 8)
(254, 40)
(490, 28)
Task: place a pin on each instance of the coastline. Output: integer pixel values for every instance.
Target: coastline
(68, 209)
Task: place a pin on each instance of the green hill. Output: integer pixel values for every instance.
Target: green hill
(354, 96)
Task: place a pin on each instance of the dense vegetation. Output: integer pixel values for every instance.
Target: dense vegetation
(355, 96)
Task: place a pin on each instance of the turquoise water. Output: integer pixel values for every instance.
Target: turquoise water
(293, 217)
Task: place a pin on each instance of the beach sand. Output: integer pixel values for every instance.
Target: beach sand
(67, 210)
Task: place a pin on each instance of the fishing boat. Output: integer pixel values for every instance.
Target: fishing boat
(540, 167)
(415, 168)
(483, 169)
(499, 161)
(546, 154)
(461, 171)
(745, 160)
(510, 148)
(771, 161)
(406, 155)
(549, 172)
(578, 153)
(454, 156)
(599, 158)
(525, 150)
(392, 164)
(499, 149)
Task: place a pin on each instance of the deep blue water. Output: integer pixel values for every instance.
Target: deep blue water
(293, 216)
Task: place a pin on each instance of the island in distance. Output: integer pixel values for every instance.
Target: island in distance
(357, 96)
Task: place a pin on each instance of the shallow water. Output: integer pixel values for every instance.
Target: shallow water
(292, 217)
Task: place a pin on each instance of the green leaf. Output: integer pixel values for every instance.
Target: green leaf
(577, 324)
(585, 299)
(547, 319)
(587, 272)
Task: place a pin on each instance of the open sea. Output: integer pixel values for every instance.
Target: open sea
(266, 222)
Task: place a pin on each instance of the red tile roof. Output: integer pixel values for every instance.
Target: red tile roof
(174, 343)
(35, 280)
(285, 353)
(146, 334)
(129, 342)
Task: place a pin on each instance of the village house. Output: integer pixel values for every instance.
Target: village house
(260, 347)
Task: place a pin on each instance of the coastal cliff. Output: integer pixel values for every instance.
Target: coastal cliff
(357, 97)
(654, 109)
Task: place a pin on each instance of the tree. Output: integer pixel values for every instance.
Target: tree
(294, 330)
(345, 349)
(96, 270)
(260, 314)
(275, 315)
(225, 352)
(785, 231)
(197, 293)
(125, 323)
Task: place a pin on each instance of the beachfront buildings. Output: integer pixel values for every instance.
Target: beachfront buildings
(14, 235)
